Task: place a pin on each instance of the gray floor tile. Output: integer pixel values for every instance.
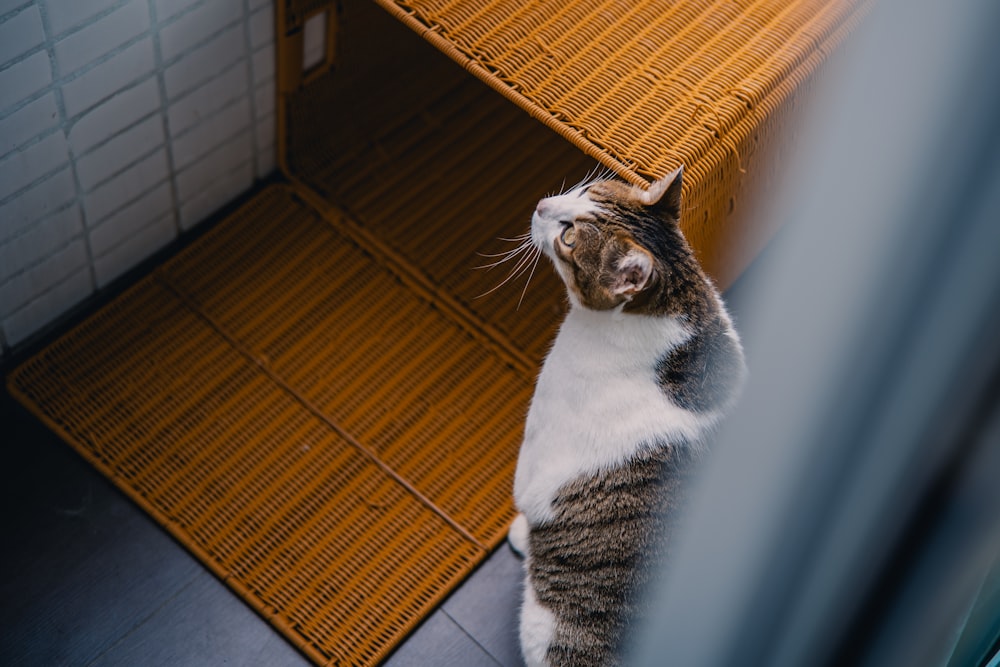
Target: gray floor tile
(203, 625)
(439, 641)
(81, 566)
(486, 606)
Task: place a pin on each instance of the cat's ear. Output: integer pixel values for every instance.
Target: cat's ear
(635, 268)
(665, 193)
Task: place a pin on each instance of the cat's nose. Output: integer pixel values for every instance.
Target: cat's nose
(544, 206)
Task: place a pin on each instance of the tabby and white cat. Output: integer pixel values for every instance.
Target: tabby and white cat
(643, 367)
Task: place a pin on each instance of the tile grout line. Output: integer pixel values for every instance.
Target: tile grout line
(64, 127)
(155, 219)
(92, 226)
(16, 9)
(135, 628)
(49, 44)
(248, 46)
(161, 85)
(470, 636)
(71, 204)
(78, 221)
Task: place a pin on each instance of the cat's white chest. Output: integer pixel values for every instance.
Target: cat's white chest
(597, 403)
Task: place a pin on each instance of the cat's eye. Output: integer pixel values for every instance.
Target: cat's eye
(568, 235)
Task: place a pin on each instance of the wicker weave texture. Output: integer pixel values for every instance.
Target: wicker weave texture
(649, 83)
(331, 445)
(640, 86)
(437, 168)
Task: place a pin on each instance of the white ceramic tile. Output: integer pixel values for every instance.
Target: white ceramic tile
(263, 65)
(25, 166)
(264, 99)
(221, 161)
(8, 6)
(166, 9)
(265, 133)
(198, 26)
(218, 192)
(66, 14)
(21, 80)
(20, 33)
(39, 241)
(112, 147)
(210, 133)
(28, 122)
(20, 325)
(120, 152)
(262, 28)
(266, 162)
(132, 218)
(205, 62)
(101, 37)
(208, 98)
(126, 187)
(134, 249)
(26, 286)
(104, 80)
(114, 115)
(40, 201)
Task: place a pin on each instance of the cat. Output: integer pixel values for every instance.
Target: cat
(644, 365)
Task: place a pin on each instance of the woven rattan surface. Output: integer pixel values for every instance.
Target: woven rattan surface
(644, 84)
(321, 397)
(325, 439)
(640, 86)
(436, 167)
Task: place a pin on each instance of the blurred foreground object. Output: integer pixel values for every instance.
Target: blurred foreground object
(850, 513)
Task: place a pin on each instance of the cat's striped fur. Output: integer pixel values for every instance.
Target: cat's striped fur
(644, 365)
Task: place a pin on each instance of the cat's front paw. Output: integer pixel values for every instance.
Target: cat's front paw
(517, 535)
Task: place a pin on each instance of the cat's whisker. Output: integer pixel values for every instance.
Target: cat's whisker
(521, 267)
(505, 256)
(494, 264)
(594, 175)
(590, 175)
(506, 253)
(534, 265)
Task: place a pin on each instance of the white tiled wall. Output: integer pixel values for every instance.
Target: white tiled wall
(122, 123)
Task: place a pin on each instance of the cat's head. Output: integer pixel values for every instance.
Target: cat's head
(613, 243)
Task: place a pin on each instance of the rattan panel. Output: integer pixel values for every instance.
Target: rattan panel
(352, 340)
(640, 86)
(330, 444)
(645, 83)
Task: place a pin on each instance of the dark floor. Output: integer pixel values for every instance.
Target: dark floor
(88, 579)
